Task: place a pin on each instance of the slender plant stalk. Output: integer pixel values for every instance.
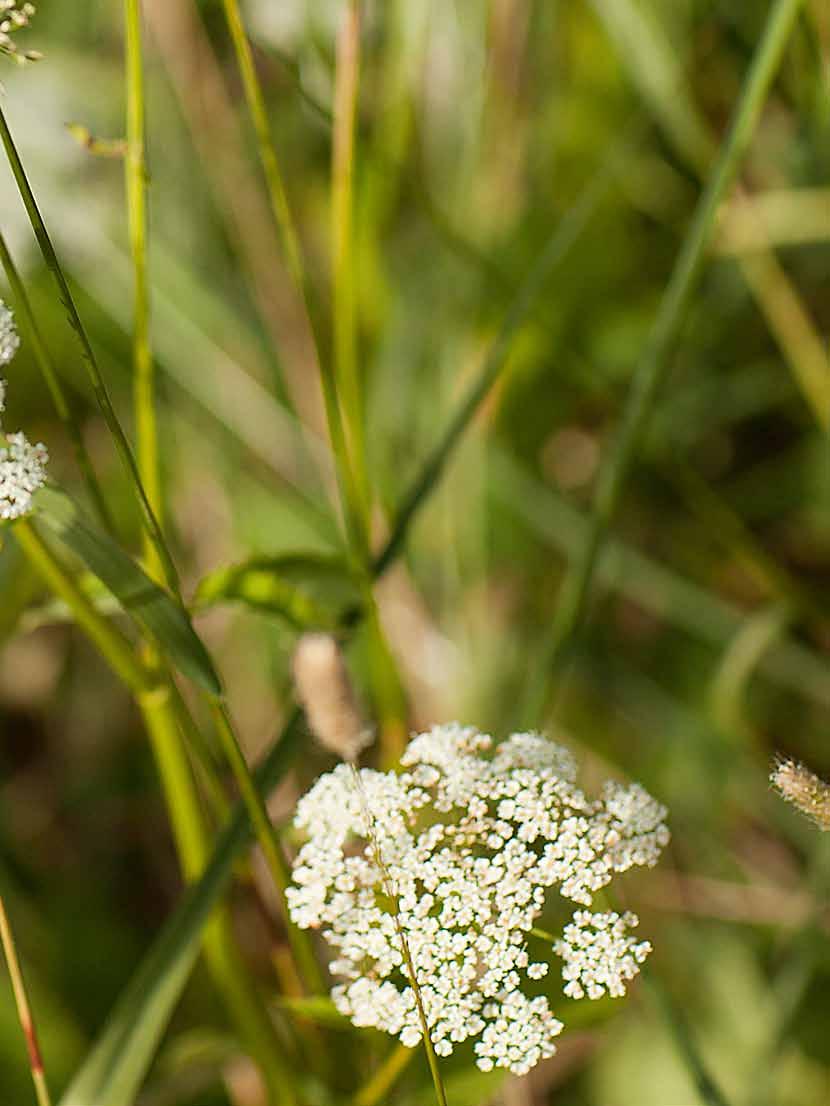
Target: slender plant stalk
(269, 843)
(24, 1012)
(135, 176)
(53, 383)
(157, 702)
(347, 76)
(226, 966)
(255, 100)
(376, 1089)
(338, 375)
(99, 388)
(656, 356)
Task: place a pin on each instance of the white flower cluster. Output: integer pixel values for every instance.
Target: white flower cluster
(599, 955)
(462, 846)
(22, 465)
(14, 16)
(9, 339)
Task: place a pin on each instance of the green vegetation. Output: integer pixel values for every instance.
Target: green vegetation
(493, 338)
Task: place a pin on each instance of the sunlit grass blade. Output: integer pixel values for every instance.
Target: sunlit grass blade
(118, 1063)
(96, 378)
(152, 607)
(41, 354)
(656, 357)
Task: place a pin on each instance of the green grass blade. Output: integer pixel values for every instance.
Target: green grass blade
(116, 1066)
(157, 612)
(309, 590)
(656, 356)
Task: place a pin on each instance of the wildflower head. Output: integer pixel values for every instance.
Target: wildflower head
(13, 17)
(458, 852)
(804, 789)
(9, 338)
(22, 465)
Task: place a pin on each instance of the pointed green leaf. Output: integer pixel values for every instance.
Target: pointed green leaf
(158, 613)
(309, 590)
(117, 1065)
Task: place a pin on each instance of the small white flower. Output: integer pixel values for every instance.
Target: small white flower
(22, 472)
(600, 957)
(468, 838)
(9, 338)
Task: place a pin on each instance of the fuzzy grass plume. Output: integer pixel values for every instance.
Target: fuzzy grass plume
(804, 789)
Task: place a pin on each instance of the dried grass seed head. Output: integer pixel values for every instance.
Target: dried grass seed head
(325, 691)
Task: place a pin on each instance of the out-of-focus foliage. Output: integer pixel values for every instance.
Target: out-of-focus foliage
(481, 127)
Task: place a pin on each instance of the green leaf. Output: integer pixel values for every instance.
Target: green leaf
(309, 590)
(160, 615)
(117, 1064)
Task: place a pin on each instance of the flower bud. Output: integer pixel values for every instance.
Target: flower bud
(325, 691)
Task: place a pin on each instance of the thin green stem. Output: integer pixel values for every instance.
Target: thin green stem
(347, 76)
(226, 966)
(656, 356)
(24, 1011)
(269, 842)
(286, 226)
(156, 700)
(135, 175)
(255, 100)
(99, 388)
(53, 383)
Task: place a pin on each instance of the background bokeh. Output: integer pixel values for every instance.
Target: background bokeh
(484, 127)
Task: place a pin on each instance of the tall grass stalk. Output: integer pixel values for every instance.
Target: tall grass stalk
(157, 703)
(655, 360)
(344, 292)
(24, 1012)
(298, 939)
(99, 387)
(339, 377)
(53, 383)
(135, 176)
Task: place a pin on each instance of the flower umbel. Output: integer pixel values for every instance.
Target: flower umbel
(9, 338)
(22, 465)
(471, 835)
(13, 17)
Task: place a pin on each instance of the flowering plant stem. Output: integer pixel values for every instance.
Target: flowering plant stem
(339, 377)
(53, 383)
(298, 939)
(24, 1012)
(157, 702)
(655, 360)
(99, 388)
(135, 174)
(148, 458)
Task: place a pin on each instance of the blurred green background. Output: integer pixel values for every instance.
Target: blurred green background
(484, 126)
